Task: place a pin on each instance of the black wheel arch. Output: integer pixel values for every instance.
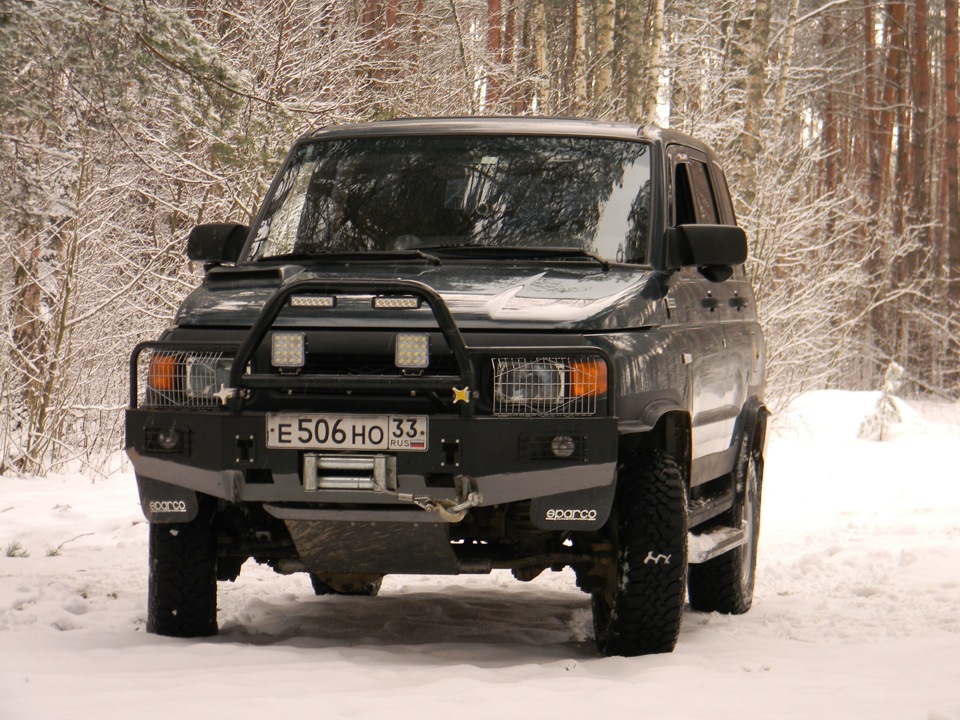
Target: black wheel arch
(664, 424)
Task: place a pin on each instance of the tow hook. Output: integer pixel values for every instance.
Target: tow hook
(449, 510)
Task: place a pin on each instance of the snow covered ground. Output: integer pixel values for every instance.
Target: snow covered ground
(857, 610)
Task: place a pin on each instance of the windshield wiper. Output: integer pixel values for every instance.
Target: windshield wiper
(371, 255)
(519, 252)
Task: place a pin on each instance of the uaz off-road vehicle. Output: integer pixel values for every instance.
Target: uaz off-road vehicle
(454, 345)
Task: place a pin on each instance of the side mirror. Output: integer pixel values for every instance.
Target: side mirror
(216, 242)
(711, 247)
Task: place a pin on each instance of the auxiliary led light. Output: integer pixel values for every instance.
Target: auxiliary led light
(396, 303)
(288, 350)
(413, 351)
(313, 301)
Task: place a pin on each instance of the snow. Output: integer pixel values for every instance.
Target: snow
(856, 614)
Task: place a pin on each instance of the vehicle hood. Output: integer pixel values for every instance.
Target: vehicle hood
(561, 296)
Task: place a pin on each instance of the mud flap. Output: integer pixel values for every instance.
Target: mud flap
(578, 510)
(164, 503)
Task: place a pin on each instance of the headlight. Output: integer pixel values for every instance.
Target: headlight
(182, 378)
(548, 386)
(532, 384)
(206, 375)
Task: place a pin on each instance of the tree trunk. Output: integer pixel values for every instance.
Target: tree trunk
(535, 33)
(635, 60)
(952, 155)
(871, 114)
(896, 15)
(652, 89)
(603, 86)
(576, 55)
(756, 73)
(829, 136)
(785, 62)
(921, 112)
(494, 51)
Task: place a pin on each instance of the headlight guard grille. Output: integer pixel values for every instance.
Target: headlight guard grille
(177, 378)
(548, 386)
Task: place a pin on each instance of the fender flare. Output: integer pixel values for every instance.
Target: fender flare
(664, 422)
(753, 433)
(761, 414)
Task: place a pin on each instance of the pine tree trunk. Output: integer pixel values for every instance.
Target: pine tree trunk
(494, 51)
(635, 60)
(952, 154)
(653, 73)
(896, 15)
(921, 112)
(756, 73)
(603, 85)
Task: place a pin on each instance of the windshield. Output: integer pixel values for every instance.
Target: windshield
(405, 193)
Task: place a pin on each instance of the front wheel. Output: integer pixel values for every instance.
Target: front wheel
(638, 606)
(182, 585)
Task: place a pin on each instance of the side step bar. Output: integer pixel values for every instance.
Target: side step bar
(716, 541)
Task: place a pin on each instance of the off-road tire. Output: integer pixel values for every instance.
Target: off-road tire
(182, 587)
(639, 607)
(725, 583)
(362, 587)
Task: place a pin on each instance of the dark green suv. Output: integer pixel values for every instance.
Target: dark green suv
(456, 345)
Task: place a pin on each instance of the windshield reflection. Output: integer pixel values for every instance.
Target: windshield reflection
(403, 193)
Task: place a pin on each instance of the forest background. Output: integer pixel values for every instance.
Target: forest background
(126, 122)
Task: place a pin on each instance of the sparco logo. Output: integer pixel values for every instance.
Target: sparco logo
(168, 506)
(576, 515)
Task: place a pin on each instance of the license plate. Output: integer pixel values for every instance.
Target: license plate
(399, 433)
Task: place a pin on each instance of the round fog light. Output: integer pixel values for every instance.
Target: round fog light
(563, 446)
(168, 439)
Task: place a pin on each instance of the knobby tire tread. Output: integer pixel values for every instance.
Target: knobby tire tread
(182, 589)
(649, 599)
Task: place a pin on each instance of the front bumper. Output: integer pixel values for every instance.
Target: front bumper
(503, 460)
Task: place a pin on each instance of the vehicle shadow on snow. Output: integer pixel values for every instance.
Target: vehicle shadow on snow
(557, 623)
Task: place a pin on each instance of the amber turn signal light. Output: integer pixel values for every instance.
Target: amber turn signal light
(163, 372)
(587, 378)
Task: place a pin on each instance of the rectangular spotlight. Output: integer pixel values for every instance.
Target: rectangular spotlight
(288, 350)
(396, 303)
(413, 351)
(317, 301)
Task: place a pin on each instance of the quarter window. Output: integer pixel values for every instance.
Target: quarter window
(703, 193)
(693, 195)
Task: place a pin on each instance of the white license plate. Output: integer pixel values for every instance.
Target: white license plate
(347, 432)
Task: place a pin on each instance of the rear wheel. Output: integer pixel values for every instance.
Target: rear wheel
(182, 585)
(638, 607)
(361, 585)
(725, 584)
